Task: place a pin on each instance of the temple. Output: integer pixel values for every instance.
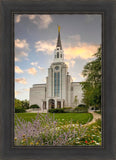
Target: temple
(59, 91)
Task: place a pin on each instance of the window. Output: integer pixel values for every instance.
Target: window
(57, 54)
(57, 84)
(61, 56)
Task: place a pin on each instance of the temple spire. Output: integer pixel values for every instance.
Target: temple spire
(59, 40)
(58, 52)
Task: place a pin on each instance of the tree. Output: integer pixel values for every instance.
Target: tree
(25, 104)
(92, 86)
(18, 103)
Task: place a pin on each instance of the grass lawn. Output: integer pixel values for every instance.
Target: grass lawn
(61, 117)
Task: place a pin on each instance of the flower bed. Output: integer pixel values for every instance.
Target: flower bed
(46, 131)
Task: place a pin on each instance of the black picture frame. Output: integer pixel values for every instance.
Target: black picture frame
(108, 10)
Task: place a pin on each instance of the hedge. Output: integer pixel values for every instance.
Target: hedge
(34, 106)
(57, 110)
(20, 110)
(81, 109)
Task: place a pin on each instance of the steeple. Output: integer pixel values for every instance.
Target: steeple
(59, 40)
(58, 53)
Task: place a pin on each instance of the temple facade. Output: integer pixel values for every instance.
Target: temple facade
(59, 91)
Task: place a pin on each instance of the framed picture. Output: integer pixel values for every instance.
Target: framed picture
(69, 106)
(57, 80)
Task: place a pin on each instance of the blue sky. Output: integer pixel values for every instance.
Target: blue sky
(35, 41)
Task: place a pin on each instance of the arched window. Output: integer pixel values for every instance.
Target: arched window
(57, 54)
(57, 84)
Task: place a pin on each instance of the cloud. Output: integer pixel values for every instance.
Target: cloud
(82, 50)
(21, 44)
(72, 49)
(18, 18)
(34, 64)
(17, 59)
(21, 80)
(25, 89)
(21, 49)
(40, 68)
(70, 63)
(20, 54)
(32, 71)
(18, 70)
(42, 21)
(17, 92)
(45, 46)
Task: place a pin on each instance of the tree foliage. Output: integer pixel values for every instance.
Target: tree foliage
(92, 86)
(21, 103)
(21, 106)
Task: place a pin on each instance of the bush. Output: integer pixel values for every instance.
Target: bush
(34, 106)
(19, 110)
(81, 109)
(57, 110)
(67, 107)
(83, 105)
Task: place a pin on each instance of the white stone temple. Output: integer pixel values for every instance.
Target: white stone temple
(59, 91)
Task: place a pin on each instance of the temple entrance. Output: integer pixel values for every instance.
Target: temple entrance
(51, 103)
(58, 104)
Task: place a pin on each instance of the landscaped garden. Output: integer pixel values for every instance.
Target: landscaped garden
(56, 129)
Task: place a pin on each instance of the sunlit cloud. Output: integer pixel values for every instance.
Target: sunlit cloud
(78, 50)
(42, 21)
(34, 64)
(45, 46)
(21, 80)
(83, 51)
(40, 68)
(18, 18)
(21, 43)
(21, 49)
(18, 70)
(17, 59)
(32, 71)
(20, 54)
(70, 63)
(17, 92)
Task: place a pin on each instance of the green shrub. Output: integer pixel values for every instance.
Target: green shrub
(34, 106)
(57, 110)
(67, 107)
(81, 109)
(82, 105)
(19, 110)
